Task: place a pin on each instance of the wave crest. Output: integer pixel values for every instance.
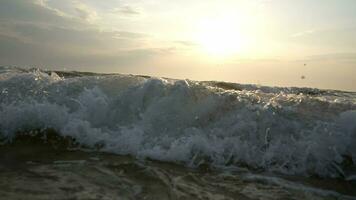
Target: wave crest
(274, 129)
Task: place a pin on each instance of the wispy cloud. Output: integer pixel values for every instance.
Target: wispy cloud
(129, 35)
(86, 13)
(332, 57)
(126, 10)
(304, 33)
(186, 43)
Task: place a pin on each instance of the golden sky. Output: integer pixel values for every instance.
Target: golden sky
(268, 42)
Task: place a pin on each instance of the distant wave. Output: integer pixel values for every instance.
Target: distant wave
(298, 131)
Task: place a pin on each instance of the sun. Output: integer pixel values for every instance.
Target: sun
(220, 37)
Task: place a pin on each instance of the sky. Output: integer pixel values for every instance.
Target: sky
(304, 43)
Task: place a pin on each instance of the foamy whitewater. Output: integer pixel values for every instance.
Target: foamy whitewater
(294, 131)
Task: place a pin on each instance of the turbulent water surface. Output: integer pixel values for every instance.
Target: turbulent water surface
(72, 135)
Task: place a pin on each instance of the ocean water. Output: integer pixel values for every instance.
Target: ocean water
(74, 135)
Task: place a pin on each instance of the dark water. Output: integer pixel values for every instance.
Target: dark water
(41, 172)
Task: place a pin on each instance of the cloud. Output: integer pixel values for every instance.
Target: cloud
(126, 10)
(34, 32)
(337, 39)
(128, 35)
(15, 52)
(79, 39)
(346, 57)
(6, 32)
(256, 60)
(86, 13)
(72, 9)
(186, 43)
(303, 33)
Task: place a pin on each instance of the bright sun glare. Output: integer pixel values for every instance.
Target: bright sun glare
(220, 37)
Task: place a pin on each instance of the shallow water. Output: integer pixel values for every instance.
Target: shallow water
(39, 172)
(140, 137)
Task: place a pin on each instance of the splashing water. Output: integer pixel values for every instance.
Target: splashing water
(295, 131)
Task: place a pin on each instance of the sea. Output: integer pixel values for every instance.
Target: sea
(81, 135)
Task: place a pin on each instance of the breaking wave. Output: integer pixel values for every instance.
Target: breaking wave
(297, 131)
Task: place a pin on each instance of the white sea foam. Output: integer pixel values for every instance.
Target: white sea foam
(276, 129)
